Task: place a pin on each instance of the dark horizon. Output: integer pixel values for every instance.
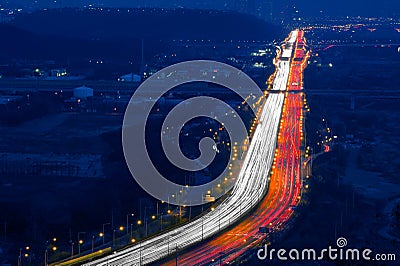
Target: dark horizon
(371, 8)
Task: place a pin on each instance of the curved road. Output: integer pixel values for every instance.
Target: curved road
(285, 184)
(250, 189)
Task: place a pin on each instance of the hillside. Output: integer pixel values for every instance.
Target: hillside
(161, 24)
(80, 38)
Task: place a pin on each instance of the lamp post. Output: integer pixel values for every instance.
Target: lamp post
(157, 208)
(146, 221)
(103, 234)
(46, 257)
(28, 258)
(113, 237)
(80, 242)
(121, 228)
(127, 221)
(72, 249)
(20, 257)
(26, 255)
(161, 221)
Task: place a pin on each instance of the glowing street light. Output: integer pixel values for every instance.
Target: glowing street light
(80, 241)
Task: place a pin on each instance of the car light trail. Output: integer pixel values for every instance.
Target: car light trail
(284, 188)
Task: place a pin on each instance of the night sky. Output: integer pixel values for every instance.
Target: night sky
(306, 7)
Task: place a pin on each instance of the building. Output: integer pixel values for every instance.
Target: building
(83, 92)
(60, 72)
(130, 78)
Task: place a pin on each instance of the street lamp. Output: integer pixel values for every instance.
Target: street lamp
(102, 234)
(131, 230)
(80, 242)
(46, 253)
(127, 221)
(121, 228)
(161, 222)
(20, 257)
(114, 236)
(46, 256)
(72, 249)
(146, 222)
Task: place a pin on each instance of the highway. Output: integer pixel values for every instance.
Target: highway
(283, 63)
(249, 190)
(299, 63)
(276, 208)
(283, 195)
